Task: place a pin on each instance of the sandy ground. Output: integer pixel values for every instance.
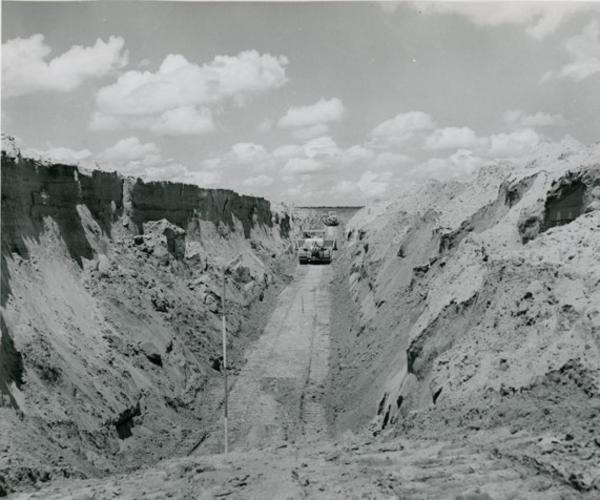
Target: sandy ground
(281, 447)
(277, 396)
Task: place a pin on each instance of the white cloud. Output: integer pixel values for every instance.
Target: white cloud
(514, 144)
(539, 119)
(63, 155)
(453, 138)
(25, 69)
(130, 157)
(265, 126)
(178, 96)
(374, 184)
(401, 128)
(258, 181)
(248, 152)
(388, 159)
(296, 166)
(288, 151)
(465, 162)
(310, 132)
(460, 164)
(321, 147)
(539, 18)
(584, 51)
(201, 178)
(131, 150)
(357, 154)
(323, 111)
(185, 120)
(345, 187)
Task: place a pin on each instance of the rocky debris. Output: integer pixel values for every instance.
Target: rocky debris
(159, 300)
(152, 353)
(175, 241)
(212, 301)
(531, 223)
(103, 266)
(466, 468)
(125, 421)
(11, 366)
(242, 274)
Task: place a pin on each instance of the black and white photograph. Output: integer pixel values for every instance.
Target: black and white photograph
(300, 250)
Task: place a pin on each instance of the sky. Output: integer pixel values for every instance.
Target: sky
(308, 103)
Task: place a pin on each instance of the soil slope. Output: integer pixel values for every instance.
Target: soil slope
(478, 307)
(111, 302)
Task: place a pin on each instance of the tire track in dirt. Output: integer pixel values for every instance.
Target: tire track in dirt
(276, 398)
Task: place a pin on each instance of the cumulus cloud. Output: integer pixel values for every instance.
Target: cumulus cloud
(63, 155)
(25, 68)
(133, 157)
(374, 184)
(453, 138)
(513, 144)
(539, 119)
(321, 146)
(248, 152)
(315, 130)
(323, 111)
(401, 128)
(179, 96)
(130, 157)
(258, 181)
(388, 159)
(584, 52)
(460, 164)
(130, 150)
(357, 154)
(265, 126)
(539, 18)
(288, 151)
(186, 120)
(295, 166)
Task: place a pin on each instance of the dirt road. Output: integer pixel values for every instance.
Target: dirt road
(276, 398)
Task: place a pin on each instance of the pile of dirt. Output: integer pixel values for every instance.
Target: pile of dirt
(477, 306)
(112, 293)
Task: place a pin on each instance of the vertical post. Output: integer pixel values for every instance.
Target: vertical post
(225, 368)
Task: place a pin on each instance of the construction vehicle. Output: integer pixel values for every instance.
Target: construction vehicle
(331, 219)
(315, 248)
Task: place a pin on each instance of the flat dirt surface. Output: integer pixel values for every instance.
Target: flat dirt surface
(277, 396)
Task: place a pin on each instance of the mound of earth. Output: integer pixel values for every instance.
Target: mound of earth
(476, 305)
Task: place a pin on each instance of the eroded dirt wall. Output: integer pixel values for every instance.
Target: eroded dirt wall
(112, 293)
(471, 299)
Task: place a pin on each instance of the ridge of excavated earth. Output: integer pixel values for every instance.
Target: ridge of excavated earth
(452, 349)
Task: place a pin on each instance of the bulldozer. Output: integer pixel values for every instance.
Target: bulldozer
(315, 248)
(331, 219)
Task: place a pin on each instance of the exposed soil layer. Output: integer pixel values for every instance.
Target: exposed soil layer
(111, 315)
(281, 448)
(478, 309)
(452, 350)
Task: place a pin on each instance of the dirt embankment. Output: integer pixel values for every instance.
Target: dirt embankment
(111, 301)
(478, 307)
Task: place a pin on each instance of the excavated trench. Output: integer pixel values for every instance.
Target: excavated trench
(307, 364)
